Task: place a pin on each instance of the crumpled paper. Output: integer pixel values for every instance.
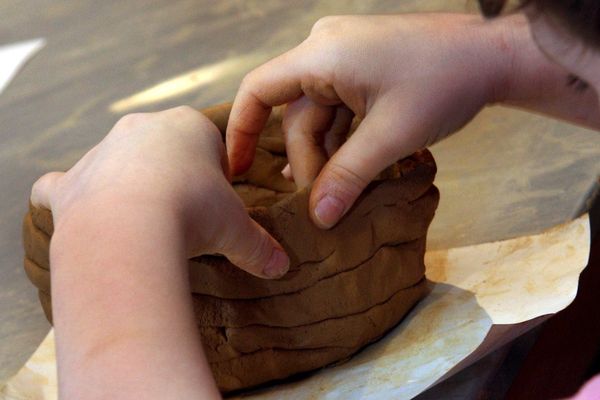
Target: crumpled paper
(473, 288)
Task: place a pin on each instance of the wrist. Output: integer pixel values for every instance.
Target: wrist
(499, 42)
(104, 226)
(524, 73)
(480, 54)
(120, 292)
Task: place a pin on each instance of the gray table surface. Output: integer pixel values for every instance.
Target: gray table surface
(507, 173)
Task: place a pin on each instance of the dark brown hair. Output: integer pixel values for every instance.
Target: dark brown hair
(580, 16)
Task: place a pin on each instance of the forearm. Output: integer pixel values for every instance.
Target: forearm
(533, 82)
(122, 310)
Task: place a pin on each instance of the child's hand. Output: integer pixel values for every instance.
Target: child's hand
(169, 162)
(414, 79)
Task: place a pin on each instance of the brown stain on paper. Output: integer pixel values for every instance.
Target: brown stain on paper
(436, 264)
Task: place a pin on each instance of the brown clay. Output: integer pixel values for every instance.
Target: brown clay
(350, 331)
(346, 286)
(275, 363)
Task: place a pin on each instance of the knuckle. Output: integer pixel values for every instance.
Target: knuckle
(47, 179)
(183, 111)
(346, 179)
(327, 25)
(259, 252)
(131, 120)
(251, 86)
(249, 79)
(44, 185)
(194, 122)
(39, 184)
(129, 123)
(319, 87)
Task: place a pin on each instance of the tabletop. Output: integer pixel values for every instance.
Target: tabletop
(507, 173)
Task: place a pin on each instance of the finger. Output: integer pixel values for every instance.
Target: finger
(304, 125)
(287, 173)
(320, 91)
(336, 136)
(223, 159)
(255, 251)
(43, 189)
(376, 144)
(274, 83)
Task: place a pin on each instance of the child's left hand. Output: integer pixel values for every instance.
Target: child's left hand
(171, 162)
(127, 217)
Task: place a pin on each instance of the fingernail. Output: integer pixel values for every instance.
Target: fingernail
(329, 210)
(278, 264)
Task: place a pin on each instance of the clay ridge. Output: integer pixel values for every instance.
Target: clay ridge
(334, 254)
(226, 343)
(405, 253)
(275, 363)
(354, 292)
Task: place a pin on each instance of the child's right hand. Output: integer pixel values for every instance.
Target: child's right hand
(413, 78)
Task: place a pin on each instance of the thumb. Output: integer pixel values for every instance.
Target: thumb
(252, 249)
(376, 144)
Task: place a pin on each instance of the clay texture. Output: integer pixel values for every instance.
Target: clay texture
(346, 287)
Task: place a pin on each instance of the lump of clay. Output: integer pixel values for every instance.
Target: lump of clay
(346, 287)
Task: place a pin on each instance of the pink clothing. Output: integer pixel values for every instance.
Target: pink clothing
(590, 391)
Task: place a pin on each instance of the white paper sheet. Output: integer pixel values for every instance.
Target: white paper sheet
(473, 288)
(14, 56)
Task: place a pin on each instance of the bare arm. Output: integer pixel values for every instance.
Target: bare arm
(126, 218)
(413, 79)
(122, 309)
(536, 83)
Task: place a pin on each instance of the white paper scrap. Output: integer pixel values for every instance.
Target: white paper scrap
(14, 56)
